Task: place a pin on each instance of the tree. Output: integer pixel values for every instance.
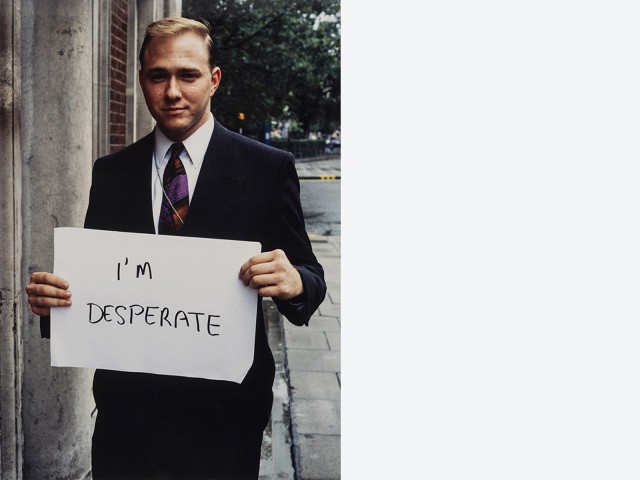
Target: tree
(280, 61)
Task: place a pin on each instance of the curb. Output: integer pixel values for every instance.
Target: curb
(321, 177)
(277, 454)
(315, 238)
(318, 158)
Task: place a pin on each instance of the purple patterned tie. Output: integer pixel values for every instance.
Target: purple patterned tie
(175, 186)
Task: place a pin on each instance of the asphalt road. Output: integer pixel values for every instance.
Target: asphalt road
(321, 206)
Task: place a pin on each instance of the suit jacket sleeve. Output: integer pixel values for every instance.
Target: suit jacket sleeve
(287, 229)
(45, 327)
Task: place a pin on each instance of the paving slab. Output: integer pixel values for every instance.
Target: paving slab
(326, 324)
(314, 385)
(318, 361)
(324, 249)
(334, 292)
(303, 337)
(334, 339)
(328, 309)
(331, 275)
(323, 460)
(310, 363)
(317, 416)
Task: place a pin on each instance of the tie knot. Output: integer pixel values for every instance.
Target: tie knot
(176, 149)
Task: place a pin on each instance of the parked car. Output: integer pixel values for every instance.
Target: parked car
(332, 143)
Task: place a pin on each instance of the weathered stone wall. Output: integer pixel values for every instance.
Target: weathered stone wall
(10, 274)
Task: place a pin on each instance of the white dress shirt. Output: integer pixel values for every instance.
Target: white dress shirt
(192, 156)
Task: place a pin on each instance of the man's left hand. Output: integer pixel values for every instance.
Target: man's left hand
(272, 274)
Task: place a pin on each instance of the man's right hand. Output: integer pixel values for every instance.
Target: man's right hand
(47, 290)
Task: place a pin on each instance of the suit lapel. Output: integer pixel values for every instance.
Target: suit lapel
(140, 191)
(218, 188)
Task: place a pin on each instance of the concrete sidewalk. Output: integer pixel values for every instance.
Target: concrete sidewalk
(302, 441)
(322, 169)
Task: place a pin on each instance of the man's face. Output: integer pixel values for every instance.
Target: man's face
(178, 84)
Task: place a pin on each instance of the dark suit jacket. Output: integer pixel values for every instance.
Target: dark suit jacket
(245, 191)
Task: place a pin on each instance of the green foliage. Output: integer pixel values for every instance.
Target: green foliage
(280, 61)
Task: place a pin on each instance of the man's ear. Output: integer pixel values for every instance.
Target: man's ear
(216, 76)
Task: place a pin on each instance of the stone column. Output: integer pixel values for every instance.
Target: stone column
(57, 403)
(10, 274)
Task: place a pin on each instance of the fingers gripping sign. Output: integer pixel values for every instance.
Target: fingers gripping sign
(273, 275)
(46, 290)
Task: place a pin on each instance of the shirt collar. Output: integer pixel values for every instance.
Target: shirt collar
(196, 145)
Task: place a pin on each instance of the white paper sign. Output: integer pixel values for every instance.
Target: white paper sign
(154, 303)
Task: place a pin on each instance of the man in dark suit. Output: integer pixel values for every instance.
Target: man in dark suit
(160, 426)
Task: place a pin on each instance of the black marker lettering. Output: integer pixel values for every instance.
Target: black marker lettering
(147, 315)
(126, 260)
(151, 314)
(197, 314)
(123, 320)
(106, 315)
(91, 305)
(209, 325)
(184, 318)
(132, 313)
(141, 270)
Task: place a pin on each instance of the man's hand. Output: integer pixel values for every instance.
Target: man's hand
(47, 290)
(273, 275)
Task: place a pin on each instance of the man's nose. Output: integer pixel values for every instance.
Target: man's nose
(173, 89)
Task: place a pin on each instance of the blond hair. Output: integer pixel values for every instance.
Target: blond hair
(174, 26)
